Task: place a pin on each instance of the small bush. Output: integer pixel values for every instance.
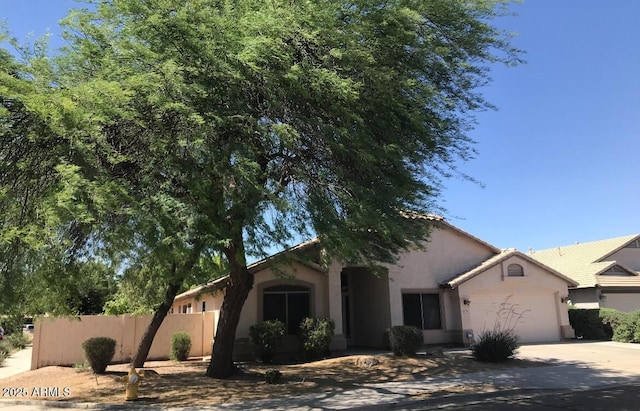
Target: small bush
(99, 352)
(18, 340)
(316, 335)
(5, 348)
(180, 346)
(405, 339)
(628, 330)
(266, 337)
(495, 346)
(273, 376)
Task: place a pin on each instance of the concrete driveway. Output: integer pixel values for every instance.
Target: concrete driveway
(601, 356)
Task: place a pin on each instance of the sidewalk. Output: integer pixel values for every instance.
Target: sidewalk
(17, 363)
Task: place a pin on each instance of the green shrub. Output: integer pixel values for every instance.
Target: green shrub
(495, 346)
(628, 330)
(5, 348)
(316, 335)
(99, 352)
(18, 340)
(611, 319)
(266, 337)
(596, 323)
(405, 339)
(180, 346)
(273, 376)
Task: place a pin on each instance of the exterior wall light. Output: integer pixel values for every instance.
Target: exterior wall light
(466, 301)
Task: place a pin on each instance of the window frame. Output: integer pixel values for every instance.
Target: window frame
(520, 273)
(420, 294)
(262, 287)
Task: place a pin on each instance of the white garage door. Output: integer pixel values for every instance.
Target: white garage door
(533, 315)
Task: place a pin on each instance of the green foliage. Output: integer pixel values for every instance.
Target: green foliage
(180, 346)
(165, 130)
(99, 351)
(5, 351)
(316, 335)
(273, 376)
(612, 319)
(495, 346)
(597, 323)
(500, 343)
(405, 339)
(628, 330)
(18, 340)
(5, 348)
(266, 337)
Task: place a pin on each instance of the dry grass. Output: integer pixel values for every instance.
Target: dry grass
(173, 383)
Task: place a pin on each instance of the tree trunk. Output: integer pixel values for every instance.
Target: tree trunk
(158, 317)
(177, 278)
(237, 290)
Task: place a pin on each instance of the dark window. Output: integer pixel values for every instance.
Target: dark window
(422, 310)
(616, 270)
(633, 244)
(515, 270)
(289, 304)
(204, 306)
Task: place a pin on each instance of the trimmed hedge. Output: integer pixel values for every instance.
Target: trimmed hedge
(266, 338)
(315, 335)
(628, 330)
(596, 323)
(405, 339)
(180, 346)
(99, 352)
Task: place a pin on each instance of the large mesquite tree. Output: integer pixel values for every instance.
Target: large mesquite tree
(199, 125)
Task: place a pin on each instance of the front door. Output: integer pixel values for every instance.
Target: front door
(346, 308)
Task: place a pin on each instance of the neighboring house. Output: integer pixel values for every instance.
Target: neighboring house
(452, 289)
(607, 271)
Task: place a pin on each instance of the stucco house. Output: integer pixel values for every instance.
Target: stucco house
(453, 288)
(607, 271)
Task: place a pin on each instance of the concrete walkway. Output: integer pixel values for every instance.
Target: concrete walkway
(17, 363)
(574, 366)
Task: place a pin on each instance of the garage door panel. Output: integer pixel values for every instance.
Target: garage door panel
(532, 316)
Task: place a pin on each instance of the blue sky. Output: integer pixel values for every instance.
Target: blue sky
(559, 158)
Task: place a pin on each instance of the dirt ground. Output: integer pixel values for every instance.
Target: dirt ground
(174, 383)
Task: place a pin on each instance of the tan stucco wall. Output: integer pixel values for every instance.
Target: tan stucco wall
(584, 297)
(447, 254)
(629, 257)
(58, 341)
(302, 274)
(538, 291)
(213, 302)
(626, 302)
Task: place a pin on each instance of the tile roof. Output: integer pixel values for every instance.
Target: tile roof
(496, 259)
(210, 287)
(584, 261)
(220, 283)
